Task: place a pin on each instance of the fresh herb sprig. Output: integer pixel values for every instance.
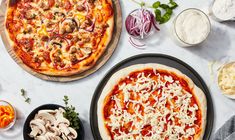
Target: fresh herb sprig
(168, 8)
(159, 8)
(71, 114)
(23, 94)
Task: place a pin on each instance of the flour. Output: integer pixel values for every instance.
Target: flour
(192, 26)
(224, 9)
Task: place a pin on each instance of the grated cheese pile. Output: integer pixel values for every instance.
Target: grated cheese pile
(226, 79)
(156, 102)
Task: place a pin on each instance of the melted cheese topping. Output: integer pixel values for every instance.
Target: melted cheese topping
(151, 107)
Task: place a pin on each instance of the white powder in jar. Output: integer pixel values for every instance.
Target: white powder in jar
(192, 26)
(224, 9)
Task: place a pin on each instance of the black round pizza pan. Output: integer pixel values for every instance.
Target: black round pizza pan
(153, 58)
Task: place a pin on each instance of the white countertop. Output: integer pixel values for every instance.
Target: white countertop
(220, 46)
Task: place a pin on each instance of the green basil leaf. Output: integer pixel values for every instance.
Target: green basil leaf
(156, 4)
(164, 6)
(173, 4)
(169, 11)
(166, 17)
(157, 15)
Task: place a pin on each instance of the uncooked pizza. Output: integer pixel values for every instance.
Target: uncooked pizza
(151, 102)
(59, 37)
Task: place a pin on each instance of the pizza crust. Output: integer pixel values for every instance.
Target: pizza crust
(116, 77)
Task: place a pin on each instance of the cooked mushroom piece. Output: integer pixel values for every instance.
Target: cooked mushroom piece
(68, 26)
(56, 44)
(86, 50)
(73, 50)
(73, 59)
(30, 15)
(87, 39)
(46, 4)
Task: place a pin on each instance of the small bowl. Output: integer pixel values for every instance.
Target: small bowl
(176, 36)
(230, 93)
(138, 37)
(216, 18)
(14, 120)
(27, 129)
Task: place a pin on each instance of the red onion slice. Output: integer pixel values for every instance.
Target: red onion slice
(139, 23)
(134, 43)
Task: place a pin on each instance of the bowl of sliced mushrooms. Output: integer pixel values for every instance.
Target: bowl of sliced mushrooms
(52, 121)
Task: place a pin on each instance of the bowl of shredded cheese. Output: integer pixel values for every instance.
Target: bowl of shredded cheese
(191, 27)
(7, 115)
(226, 79)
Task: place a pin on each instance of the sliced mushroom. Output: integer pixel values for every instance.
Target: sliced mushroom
(41, 127)
(53, 129)
(64, 136)
(68, 26)
(34, 132)
(73, 133)
(46, 117)
(73, 50)
(64, 129)
(51, 136)
(86, 50)
(60, 118)
(30, 15)
(41, 138)
(47, 111)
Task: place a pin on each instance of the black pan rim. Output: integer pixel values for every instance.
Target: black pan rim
(209, 122)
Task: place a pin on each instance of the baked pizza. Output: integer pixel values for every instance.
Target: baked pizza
(151, 102)
(59, 37)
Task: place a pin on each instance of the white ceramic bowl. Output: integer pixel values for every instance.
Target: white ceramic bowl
(13, 122)
(175, 31)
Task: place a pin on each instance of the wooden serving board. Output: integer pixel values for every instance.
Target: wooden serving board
(103, 59)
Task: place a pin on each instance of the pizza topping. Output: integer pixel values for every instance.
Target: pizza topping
(73, 50)
(46, 4)
(29, 15)
(73, 59)
(152, 105)
(81, 8)
(27, 43)
(86, 50)
(68, 26)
